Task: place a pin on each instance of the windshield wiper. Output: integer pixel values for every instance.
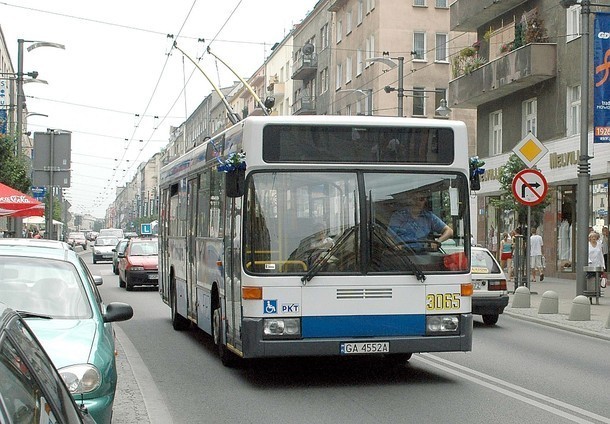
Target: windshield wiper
(407, 261)
(26, 314)
(323, 259)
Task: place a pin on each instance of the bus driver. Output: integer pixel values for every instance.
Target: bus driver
(416, 222)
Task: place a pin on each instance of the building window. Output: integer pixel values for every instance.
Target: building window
(441, 4)
(324, 37)
(370, 48)
(348, 22)
(370, 5)
(419, 45)
(323, 80)
(348, 70)
(419, 3)
(529, 110)
(573, 118)
(495, 133)
(572, 22)
(339, 30)
(359, 64)
(339, 81)
(441, 48)
(419, 101)
(360, 11)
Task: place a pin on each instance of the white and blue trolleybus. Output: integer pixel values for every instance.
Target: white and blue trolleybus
(299, 236)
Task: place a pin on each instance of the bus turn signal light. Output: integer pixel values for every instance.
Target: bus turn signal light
(252, 293)
(466, 289)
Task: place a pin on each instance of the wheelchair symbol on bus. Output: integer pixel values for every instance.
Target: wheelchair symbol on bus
(270, 307)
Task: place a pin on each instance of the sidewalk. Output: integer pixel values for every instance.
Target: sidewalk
(566, 290)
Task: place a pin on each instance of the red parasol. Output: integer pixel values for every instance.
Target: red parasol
(16, 204)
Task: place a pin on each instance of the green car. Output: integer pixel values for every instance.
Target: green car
(52, 288)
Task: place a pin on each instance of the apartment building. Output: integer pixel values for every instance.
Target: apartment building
(526, 77)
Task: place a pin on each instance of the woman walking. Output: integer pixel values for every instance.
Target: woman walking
(506, 255)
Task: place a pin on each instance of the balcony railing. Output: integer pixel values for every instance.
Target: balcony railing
(305, 105)
(469, 15)
(516, 70)
(305, 67)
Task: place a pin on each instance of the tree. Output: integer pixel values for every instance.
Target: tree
(507, 202)
(13, 170)
(56, 207)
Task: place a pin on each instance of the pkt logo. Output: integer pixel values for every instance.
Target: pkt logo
(290, 308)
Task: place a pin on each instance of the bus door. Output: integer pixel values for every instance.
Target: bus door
(232, 270)
(191, 246)
(163, 253)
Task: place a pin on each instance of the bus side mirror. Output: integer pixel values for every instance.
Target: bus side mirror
(235, 183)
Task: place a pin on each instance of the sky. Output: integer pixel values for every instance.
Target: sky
(118, 86)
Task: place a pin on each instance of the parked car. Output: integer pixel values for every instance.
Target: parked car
(102, 248)
(119, 248)
(31, 389)
(490, 295)
(77, 239)
(52, 289)
(139, 264)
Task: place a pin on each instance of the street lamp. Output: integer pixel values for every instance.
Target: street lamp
(368, 92)
(389, 62)
(20, 80)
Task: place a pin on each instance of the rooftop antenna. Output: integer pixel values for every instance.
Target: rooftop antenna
(264, 106)
(233, 117)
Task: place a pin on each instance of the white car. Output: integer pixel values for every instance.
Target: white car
(490, 295)
(102, 248)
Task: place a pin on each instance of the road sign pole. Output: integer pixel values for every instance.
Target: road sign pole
(528, 264)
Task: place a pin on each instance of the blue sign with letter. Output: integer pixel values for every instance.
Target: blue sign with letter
(145, 229)
(601, 66)
(39, 193)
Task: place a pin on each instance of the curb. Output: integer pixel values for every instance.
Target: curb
(559, 325)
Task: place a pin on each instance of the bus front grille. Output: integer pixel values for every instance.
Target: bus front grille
(364, 293)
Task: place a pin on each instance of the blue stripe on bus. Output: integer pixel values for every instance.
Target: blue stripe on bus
(363, 326)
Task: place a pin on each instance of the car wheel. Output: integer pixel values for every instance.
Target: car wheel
(490, 319)
(115, 270)
(128, 286)
(94, 261)
(178, 321)
(121, 282)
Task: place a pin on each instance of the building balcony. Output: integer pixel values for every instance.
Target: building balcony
(516, 70)
(469, 15)
(305, 105)
(277, 90)
(305, 67)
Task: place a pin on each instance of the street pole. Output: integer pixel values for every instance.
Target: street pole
(401, 91)
(582, 212)
(19, 129)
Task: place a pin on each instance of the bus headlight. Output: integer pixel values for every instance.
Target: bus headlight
(442, 324)
(282, 328)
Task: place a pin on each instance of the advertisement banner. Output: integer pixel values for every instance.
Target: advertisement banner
(3, 119)
(601, 78)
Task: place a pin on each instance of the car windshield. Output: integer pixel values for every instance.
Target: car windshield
(45, 287)
(106, 241)
(148, 248)
(483, 263)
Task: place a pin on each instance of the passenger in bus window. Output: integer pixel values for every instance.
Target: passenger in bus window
(415, 226)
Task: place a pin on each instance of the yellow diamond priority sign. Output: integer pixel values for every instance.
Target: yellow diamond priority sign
(530, 150)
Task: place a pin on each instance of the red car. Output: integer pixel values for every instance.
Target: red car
(139, 264)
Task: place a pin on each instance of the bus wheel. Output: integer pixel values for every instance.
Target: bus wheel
(178, 321)
(227, 358)
(396, 359)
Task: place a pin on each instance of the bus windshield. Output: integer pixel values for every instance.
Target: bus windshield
(355, 222)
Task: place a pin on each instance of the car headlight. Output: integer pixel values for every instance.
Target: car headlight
(83, 378)
(436, 324)
(136, 268)
(289, 328)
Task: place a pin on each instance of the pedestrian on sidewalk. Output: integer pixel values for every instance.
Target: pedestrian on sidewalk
(506, 254)
(596, 257)
(604, 240)
(536, 262)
